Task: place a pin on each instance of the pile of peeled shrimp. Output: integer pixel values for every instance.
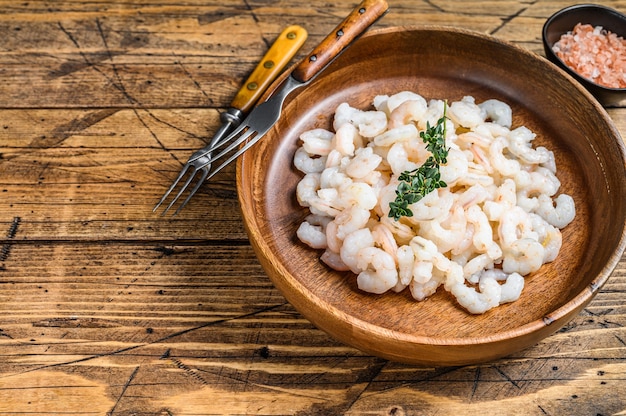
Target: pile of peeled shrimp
(497, 220)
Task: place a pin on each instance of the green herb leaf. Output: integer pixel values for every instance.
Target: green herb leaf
(416, 184)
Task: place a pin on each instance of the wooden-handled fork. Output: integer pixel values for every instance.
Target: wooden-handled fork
(277, 57)
(266, 114)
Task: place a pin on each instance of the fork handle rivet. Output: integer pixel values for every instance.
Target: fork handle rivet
(253, 86)
(313, 58)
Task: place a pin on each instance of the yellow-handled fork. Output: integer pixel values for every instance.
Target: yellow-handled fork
(277, 57)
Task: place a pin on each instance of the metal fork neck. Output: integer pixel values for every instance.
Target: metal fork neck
(232, 116)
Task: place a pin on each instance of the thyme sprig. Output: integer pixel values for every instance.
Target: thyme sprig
(416, 184)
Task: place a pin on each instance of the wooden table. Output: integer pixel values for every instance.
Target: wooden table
(108, 308)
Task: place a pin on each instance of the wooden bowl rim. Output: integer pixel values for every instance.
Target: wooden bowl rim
(569, 308)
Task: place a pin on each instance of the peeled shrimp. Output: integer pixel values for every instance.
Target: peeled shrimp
(397, 99)
(352, 244)
(364, 162)
(402, 231)
(456, 168)
(520, 145)
(472, 137)
(482, 239)
(349, 220)
(523, 256)
(549, 236)
(306, 190)
(515, 224)
(421, 291)
(436, 204)
(466, 113)
(474, 195)
(333, 177)
(433, 113)
(398, 159)
(312, 235)
(479, 157)
(424, 252)
(543, 181)
(305, 163)
(333, 260)
(478, 302)
(380, 103)
(464, 250)
(502, 164)
(406, 260)
(512, 288)
(383, 238)
(561, 214)
(473, 268)
(317, 141)
(369, 123)
(359, 194)
(401, 133)
(446, 235)
(475, 177)
(410, 111)
(347, 139)
(498, 112)
(379, 273)
(492, 130)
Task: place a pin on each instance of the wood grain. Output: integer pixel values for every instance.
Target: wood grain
(107, 309)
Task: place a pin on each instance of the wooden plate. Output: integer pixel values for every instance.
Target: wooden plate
(443, 63)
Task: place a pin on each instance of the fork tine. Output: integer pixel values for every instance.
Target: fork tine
(180, 192)
(172, 186)
(205, 172)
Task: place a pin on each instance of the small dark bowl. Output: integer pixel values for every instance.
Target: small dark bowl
(563, 21)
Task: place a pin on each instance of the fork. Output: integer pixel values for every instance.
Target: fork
(198, 165)
(265, 115)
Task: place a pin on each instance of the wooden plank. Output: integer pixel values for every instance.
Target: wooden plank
(109, 309)
(163, 56)
(194, 332)
(101, 195)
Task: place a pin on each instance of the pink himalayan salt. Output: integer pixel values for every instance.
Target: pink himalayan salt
(594, 53)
